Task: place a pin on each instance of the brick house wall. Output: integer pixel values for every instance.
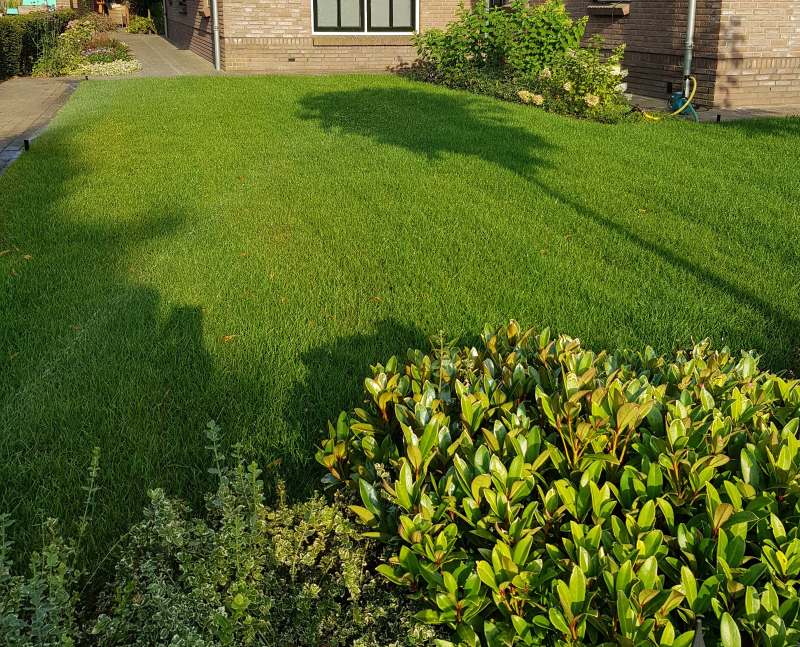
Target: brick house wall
(276, 36)
(189, 29)
(759, 53)
(746, 52)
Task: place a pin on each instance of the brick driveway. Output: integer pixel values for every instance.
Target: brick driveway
(26, 107)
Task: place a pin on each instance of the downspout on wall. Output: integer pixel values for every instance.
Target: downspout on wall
(688, 47)
(215, 28)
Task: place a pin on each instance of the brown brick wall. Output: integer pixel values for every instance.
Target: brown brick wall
(262, 35)
(759, 53)
(728, 35)
(189, 29)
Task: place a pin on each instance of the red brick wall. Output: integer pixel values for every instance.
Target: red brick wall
(262, 35)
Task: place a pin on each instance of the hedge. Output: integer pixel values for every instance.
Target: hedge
(21, 36)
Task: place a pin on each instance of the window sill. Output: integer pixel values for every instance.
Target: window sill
(362, 40)
(614, 9)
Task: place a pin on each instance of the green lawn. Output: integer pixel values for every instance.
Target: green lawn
(329, 223)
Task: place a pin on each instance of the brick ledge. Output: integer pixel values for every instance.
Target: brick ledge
(361, 41)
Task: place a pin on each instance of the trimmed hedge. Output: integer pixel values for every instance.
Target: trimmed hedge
(20, 38)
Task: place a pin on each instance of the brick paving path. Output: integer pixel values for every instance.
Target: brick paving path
(26, 107)
(160, 58)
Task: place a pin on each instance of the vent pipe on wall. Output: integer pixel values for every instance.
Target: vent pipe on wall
(215, 28)
(687, 51)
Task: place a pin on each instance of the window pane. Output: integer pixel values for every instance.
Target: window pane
(351, 13)
(326, 13)
(402, 14)
(379, 13)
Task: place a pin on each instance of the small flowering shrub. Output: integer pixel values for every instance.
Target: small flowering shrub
(113, 68)
(525, 39)
(82, 51)
(530, 55)
(141, 25)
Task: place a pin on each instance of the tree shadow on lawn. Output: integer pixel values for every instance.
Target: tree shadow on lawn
(435, 122)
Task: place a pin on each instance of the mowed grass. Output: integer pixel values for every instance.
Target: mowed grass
(242, 249)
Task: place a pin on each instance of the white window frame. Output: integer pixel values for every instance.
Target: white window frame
(363, 32)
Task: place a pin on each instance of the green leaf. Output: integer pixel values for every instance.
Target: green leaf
(365, 515)
(647, 516)
(577, 590)
(428, 616)
(752, 605)
(370, 498)
(486, 573)
(655, 481)
(492, 634)
(689, 586)
(558, 621)
(729, 632)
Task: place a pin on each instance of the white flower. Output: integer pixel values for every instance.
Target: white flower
(528, 97)
(591, 100)
(568, 86)
(546, 74)
(115, 68)
(621, 88)
(616, 70)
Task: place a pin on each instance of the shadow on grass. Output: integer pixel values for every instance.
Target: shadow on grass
(431, 124)
(447, 122)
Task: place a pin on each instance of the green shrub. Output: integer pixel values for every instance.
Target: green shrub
(243, 574)
(528, 55)
(535, 493)
(11, 37)
(157, 14)
(526, 39)
(140, 25)
(23, 39)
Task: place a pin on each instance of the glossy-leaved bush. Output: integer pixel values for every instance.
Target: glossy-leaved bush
(536, 493)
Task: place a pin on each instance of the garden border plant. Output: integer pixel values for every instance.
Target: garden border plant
(529, 55)
(536, 493)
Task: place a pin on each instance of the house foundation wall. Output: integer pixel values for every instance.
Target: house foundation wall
(264, 35)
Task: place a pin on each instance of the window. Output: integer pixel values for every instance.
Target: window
(381, 15)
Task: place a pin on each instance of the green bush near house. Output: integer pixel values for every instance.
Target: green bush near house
(141, 25)
(23, 39)
(529, 55)
(535, 493)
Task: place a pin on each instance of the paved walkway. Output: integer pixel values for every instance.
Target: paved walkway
(26, 107)
(161, 59)
(725, 114)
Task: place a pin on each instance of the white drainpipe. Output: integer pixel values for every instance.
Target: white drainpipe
(215, 24)
(687, 52)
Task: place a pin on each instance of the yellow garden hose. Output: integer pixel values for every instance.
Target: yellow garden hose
(681, 109)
